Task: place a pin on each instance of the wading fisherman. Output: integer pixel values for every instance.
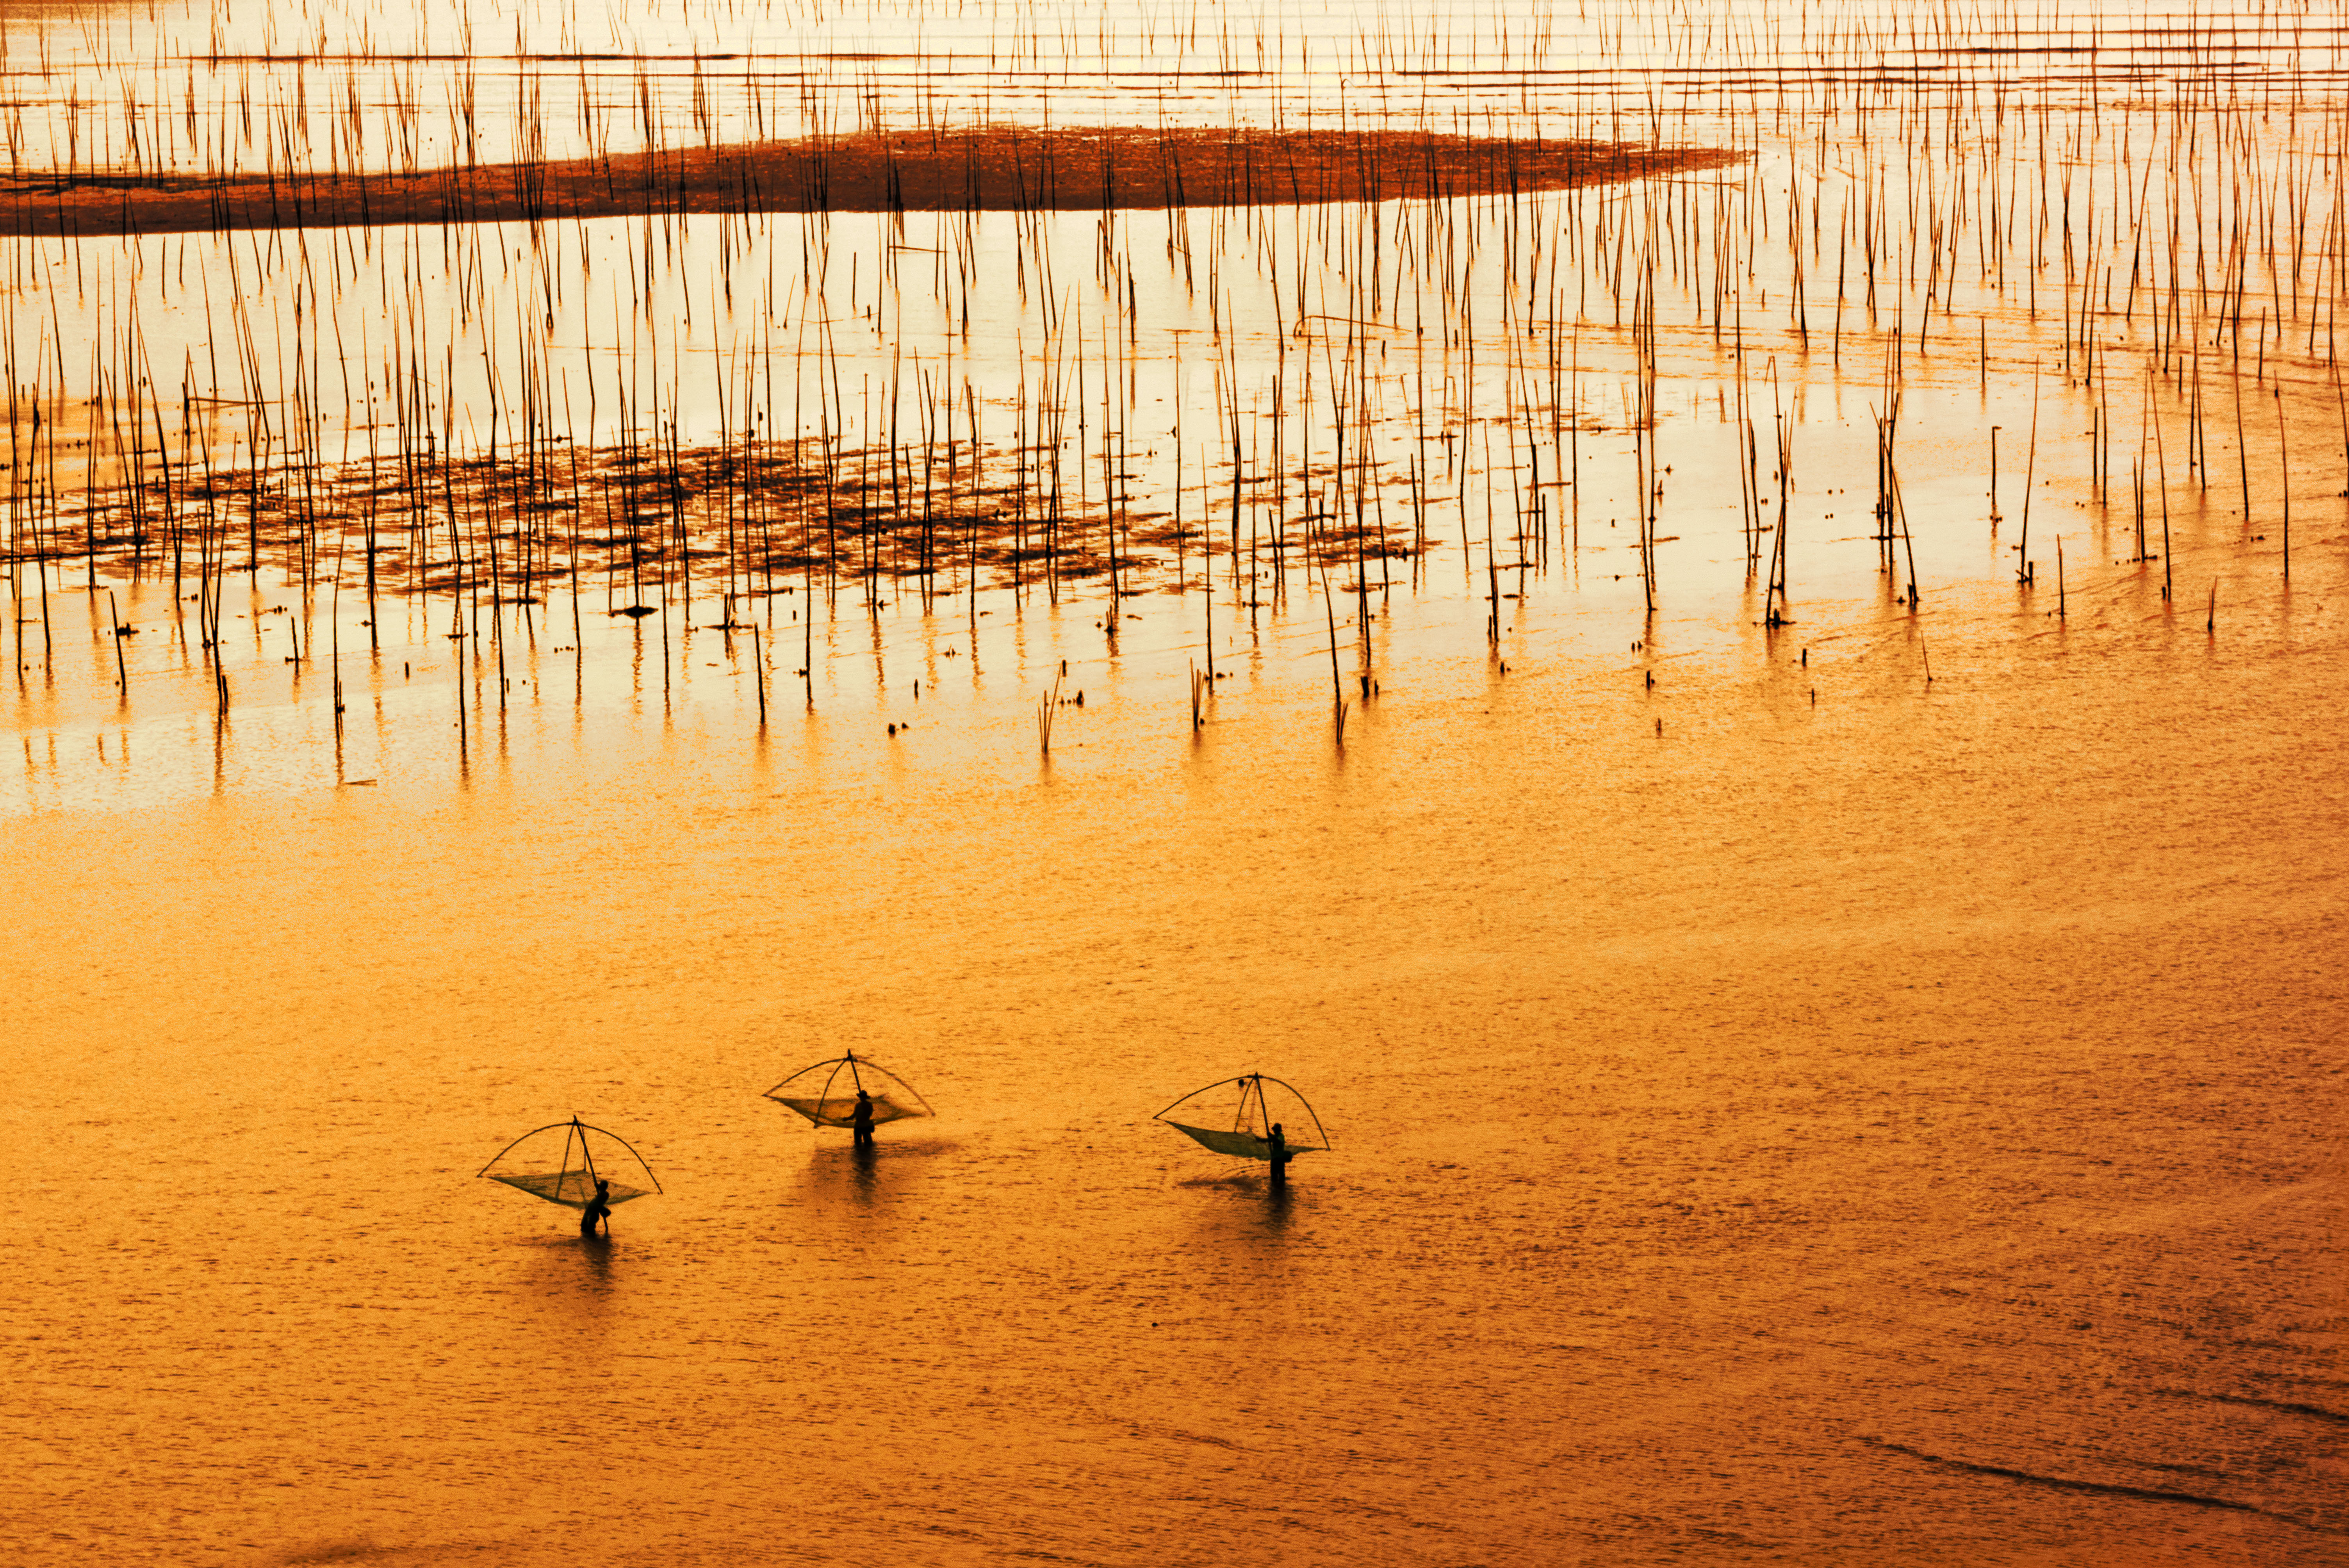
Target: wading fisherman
(861, 1120)
(1277, 1142)
(598, 1211)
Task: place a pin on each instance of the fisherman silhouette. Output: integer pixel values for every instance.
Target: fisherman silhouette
(1278, 1143)
(598, 1211)
(861, 1118)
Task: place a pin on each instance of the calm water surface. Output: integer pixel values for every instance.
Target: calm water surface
(1739, 1133)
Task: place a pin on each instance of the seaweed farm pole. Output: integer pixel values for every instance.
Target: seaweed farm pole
(490, 527)
(114, 625)
(1491, 570)
(807, 553)
(1361, 561)
(2341, 399)
(2030, 472)
(1643, 433)
(457, 607)
(977, 493)
(1773, 596)
(1207, 539)
(374, 490)
(217, 569)
(40, 553)
(578, 638)
(1995, 430)
(2283, 454)
(1900, 513)
(758, 670)
(334, 648)
(1337, 677)
(1208, 566)
(2243, 443)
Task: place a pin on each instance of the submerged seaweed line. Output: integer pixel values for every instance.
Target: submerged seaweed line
(2106, 1489)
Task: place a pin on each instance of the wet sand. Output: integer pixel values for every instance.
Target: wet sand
(993, 168)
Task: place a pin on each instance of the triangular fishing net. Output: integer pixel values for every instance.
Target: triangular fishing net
(826, 1093)
(1237, 1116)
(563, 1161)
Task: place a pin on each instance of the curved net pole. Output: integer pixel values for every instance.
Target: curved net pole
(525, 1138)
(640, 1159)
(1194, 1095)
(1303, 1101)
(824, 1093)
(809, 1069)
(900, 1085)
(577, 1129)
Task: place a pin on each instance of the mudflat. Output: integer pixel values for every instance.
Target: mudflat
(983, 168)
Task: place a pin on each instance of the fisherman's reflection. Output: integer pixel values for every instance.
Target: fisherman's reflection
(1276, 1210)
(863, 1160)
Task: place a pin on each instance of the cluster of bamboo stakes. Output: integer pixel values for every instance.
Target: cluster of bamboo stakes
(2163, 239)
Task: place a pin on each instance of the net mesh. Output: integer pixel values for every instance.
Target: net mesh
(826, 1093)
(562, 1162)
(571, 1189)
(840, 1111)
(1237, 1116)
(1240, 1145)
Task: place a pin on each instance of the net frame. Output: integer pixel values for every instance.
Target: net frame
(894, 1099)
(573, 1187)
(1243, 1140)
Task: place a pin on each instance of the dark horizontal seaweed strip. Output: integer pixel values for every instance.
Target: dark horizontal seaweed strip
(978, 169)
(2101, 1487)
(2290, 1407)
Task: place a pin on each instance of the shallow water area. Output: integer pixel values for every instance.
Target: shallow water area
(1710, 1112)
